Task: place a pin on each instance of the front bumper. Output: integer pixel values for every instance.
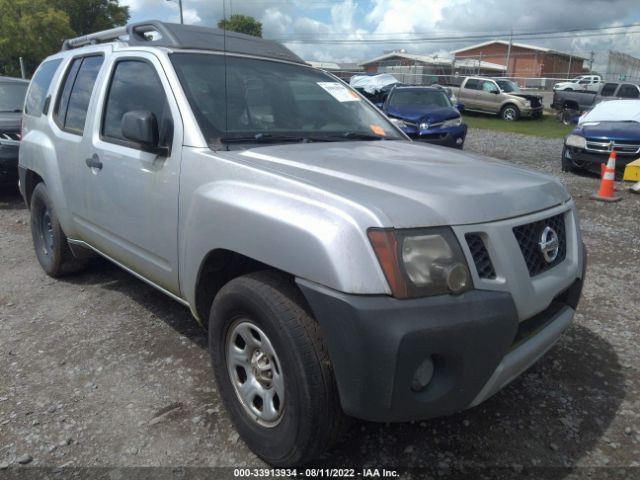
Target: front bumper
(532, 112)
(474, 342)
(580, 158)
(9, 161)
(447, 137)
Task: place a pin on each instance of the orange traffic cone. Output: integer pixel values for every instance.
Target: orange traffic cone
(607, 185)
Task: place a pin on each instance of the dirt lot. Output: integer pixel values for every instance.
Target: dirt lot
(100, 370)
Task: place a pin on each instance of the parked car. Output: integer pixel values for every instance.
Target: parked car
(340, 268)
(12, 93)
(426, 114)
(581, 101)
(581, 83)
(499, 97)
(612, 126)
(374, 87)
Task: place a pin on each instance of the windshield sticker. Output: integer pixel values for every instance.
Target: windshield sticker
(378, 130)
(339, 92)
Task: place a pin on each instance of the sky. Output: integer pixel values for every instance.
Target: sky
(374, 26)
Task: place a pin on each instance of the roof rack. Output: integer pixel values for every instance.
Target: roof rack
(155, 33)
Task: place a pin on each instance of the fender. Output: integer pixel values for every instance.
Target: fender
(298, 234)
(38, 149)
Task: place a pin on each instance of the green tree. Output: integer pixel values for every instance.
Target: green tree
(242, 24)
(32, 29)
(88, 16)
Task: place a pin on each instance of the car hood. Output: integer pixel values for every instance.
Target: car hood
(423, 114)
(610, 130)
(10, 121)
(409, 184)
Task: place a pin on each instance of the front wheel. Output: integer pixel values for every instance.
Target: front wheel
(510, 113)
(49, 241)
(273, 370)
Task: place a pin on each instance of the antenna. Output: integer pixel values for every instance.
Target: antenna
(224, 56)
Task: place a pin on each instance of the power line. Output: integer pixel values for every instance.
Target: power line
(543, 35)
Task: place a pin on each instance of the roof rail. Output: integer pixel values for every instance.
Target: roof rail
(193, 37)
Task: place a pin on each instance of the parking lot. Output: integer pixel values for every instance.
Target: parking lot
(101, 370)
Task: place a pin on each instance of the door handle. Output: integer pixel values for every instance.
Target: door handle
(94, 162)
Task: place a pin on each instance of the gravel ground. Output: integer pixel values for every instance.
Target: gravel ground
(101, 370)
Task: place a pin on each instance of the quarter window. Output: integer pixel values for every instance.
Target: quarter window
(135, 85)
(472, 84)
(71, 111)
(36, 97)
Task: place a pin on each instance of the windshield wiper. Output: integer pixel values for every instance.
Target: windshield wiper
(357, 136)
(262, 138)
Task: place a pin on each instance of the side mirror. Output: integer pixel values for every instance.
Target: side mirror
(141, 127)
(380, 105)
(460, 106)
(496, 92)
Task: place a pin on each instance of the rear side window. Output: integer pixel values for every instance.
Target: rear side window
(135, 85)
(608, 89)
(39, 86)
(71, 111)
(472, 84)
(628, 91)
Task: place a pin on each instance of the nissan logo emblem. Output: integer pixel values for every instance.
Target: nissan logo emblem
(549, 244)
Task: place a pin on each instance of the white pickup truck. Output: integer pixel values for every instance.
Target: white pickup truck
(583, 82)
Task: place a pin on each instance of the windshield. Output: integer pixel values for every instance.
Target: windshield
(12, 96)
(419, 98)
(508, 86)
(262, 100)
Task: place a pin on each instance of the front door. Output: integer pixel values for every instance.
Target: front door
(132, 194)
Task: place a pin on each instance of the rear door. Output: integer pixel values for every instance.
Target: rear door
(132, 194)
(469, 94)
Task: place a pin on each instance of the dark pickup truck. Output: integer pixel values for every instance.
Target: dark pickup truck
(584, 100)
(12, 93)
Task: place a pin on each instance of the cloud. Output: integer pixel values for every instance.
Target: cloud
(289, 20)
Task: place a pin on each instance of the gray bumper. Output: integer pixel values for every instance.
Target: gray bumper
(474, 343)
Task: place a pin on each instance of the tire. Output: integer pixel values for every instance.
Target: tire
(309, 419)
(49, 241)
(510, 113)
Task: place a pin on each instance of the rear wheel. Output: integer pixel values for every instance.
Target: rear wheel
(510, 113)
(273, 370)
(49, 241)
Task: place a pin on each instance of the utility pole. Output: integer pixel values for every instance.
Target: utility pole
(479, 62)
(22, 72)
(591, 62)
(506, 73)
(569, 69)
(180, 8)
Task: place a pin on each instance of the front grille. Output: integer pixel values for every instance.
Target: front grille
(529, 237)
(480, 256)
(623, 147)
(10, 136)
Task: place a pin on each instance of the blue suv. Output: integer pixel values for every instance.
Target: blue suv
(426, 114)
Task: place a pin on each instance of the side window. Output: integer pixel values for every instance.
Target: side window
(36, 97)
(608, 89)
(78, 103)
(135, 85)
(472, 84)
(628, 91)
(489, 86)
(60, 110)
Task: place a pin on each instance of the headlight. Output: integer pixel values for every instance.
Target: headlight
(575, 141)
(398, 123)
(421, 262)
(454, 122)
(527, 103)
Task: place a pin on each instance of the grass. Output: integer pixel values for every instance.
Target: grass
(547, 126)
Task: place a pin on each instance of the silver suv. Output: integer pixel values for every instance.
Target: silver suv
(341, 269)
